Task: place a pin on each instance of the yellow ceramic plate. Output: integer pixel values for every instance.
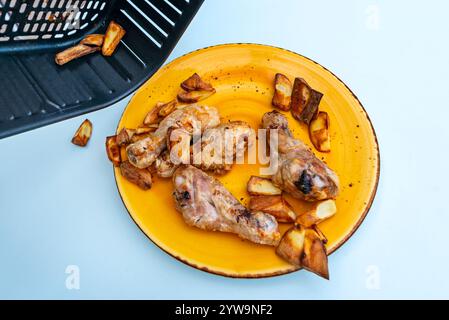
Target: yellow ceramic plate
(243, 76)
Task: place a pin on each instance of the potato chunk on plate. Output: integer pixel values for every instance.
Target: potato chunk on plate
(304, 248)
(319, 132)
(321, 211)
(277, 206)
(305, 101)
(258, 186)
(282, 92)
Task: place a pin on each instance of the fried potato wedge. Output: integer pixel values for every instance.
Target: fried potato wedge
(304, 248)
(152, 116)
(195, 83)
(140, 177)
(258, 186)
(112, 38)
(144, 130)
(321, 211)
(320, 234)
(124, 136)
(319, 132)
(291, 246)
(194, 96)
(314, 256)
(282, 92)
(277, 206)
(95, 40)
(167, 108)
(83, 134)
(304, 101)
(75, 52)
(113, 150)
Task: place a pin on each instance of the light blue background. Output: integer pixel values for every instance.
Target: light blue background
(59, 205)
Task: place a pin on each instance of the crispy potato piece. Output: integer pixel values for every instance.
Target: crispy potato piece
(321, 211)
(291, 246)
(194, 96)
(152, 116)
(314, 256)
(95, 40)
(114, 34)
(113, 150)
(304, 248)
(124, 137)
(75, 52)
(277, 206)
(82, 135)
(140, 177)
(258, 186)
(167, 108)
(304, 101)
(320, 234)
(282, 92)
(319, 132)
(144, 130)
(195, 83)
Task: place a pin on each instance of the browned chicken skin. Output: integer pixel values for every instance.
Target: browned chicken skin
(192, 117)
(299, 172)
(232, 138)
(206, 204)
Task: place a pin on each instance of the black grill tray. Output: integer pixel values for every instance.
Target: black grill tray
(34, 91)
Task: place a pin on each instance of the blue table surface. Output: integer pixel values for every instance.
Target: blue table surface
(59, 206)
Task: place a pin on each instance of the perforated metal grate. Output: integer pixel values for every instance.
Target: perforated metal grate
(34, 91)
(47, 19)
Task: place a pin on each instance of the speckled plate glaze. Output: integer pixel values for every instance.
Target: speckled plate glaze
(243, 76)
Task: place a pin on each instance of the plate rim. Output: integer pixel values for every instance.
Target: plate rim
(292, 269)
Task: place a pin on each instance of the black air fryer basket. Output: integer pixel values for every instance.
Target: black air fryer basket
(34, 91)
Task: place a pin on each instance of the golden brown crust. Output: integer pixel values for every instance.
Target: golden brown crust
(319, 212)
(258, 186)
(114, 34)
(314, 257)
(95, 40)
(277, 206)
(319, 132)
(291, 246)
(195, 83)
(152, 116)
(124, 137)
(140, 177)
(113, 150)
(194, 96)
(304, 101)
(282, 92)
(83, 134)
(75, 52)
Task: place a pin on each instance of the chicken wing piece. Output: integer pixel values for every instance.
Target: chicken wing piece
(206, 204)
(299, 172)
(192, 117)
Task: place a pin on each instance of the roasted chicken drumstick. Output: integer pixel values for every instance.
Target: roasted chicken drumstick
(191, 118)
(206, 204)
(299, 171)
